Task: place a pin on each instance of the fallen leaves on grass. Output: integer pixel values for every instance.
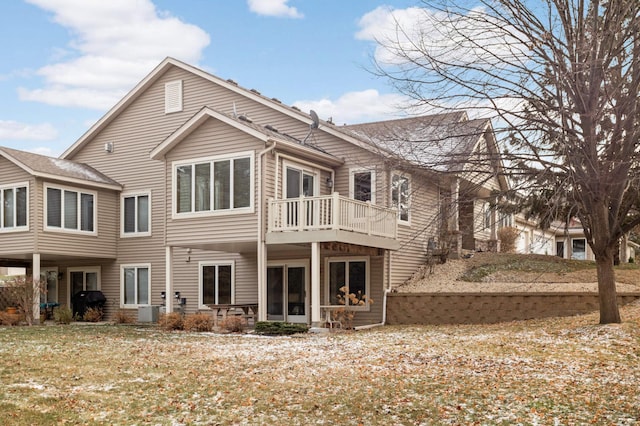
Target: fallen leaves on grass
(554, 371)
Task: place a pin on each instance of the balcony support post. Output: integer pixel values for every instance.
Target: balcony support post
(315, 285)
(336, 214)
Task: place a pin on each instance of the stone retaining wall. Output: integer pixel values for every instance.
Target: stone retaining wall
(486, 308)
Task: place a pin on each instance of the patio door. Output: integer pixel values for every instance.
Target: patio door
(83, 279)
(49, 278)
(299, 183)
(287, 292)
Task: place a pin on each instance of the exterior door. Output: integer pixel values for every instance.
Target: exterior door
(287, 290)
(82, 279)
(49, 278)
(299, 183)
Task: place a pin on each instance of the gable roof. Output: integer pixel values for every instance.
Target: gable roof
(440, 142)
(59, 169)
(160, 70)
(263, 133)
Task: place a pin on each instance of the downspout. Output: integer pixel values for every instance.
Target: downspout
(384, 313)
(260, 252)
(387, 290)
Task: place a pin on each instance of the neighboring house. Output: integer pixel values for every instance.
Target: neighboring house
(532, 239)
(566, 241)
(194, 190)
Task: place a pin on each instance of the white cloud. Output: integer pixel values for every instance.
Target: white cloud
(474, 37)
(356, 107)
(277, 8)
(43, 150)
(114, 44)
(16, 131)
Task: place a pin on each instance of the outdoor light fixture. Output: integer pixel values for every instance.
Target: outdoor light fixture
(177, 295)
(163, 295)
(329, 183)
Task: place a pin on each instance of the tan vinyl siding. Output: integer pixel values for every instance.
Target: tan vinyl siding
(424, 224)
(186, 275)
(211, 139)
(20, 241)
(78, 244)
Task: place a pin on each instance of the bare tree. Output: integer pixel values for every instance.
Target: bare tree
(559, 78)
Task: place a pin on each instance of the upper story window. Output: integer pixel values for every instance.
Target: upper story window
(173, 96)
(14, 212)
(214, 185)
(400, 196)
(70, 209)
(362, 185)
(136, 215)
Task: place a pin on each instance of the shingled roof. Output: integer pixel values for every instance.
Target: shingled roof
(441, 142)
(66, 170)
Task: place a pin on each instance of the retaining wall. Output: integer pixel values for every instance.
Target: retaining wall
(486, 308)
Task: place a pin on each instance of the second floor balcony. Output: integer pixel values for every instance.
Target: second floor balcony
(331, 218)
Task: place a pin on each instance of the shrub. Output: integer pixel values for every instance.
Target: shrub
(122, 317)
(93, 315)
(198, 322)
(280, 328)
(171, 321)
(508, 237)
(63, 315)
(346, 315)
(7, 318)
(233, 324)
(24, 292)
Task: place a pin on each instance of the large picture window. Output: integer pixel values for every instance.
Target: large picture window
(348, 276)
(70, 210)
(135, 285)
(400, 196)
(216, 283)
(14, 212)
(214, 185)
(136, 215)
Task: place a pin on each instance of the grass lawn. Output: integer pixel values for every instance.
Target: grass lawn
(557, 371)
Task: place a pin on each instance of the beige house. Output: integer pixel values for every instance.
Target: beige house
(193, 191)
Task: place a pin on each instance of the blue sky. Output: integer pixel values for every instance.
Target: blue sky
(66, 62)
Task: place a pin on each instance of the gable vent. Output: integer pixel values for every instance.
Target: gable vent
(173, 96)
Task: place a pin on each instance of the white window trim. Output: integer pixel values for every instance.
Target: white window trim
(201, 264)
(62, 229)
(486, 216)
(367, 284)
(305, 169)
(192, 162)
(135, 233)
(136, 266)
(573, 252)
(409, 179)
(44, 272)
(352, 173)
(15, 228)
(84, 269)
(168, 88)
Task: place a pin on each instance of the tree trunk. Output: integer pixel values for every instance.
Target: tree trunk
(609, 312)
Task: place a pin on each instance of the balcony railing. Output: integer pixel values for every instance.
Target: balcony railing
(331, 212)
